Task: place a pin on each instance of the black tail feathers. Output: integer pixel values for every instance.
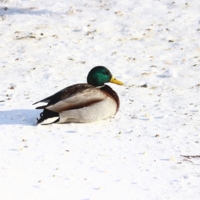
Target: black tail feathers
(46, 114)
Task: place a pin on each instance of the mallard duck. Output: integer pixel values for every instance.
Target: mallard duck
(83, 102)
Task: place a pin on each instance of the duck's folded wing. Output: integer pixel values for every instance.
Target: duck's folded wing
(78, 97)
(64, 93)
(80, 100)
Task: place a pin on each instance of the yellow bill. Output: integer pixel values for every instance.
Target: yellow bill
(114, 80)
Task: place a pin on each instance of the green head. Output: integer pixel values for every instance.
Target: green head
(100, 75)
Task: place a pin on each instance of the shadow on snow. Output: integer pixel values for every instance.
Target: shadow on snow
(31, 11)
(19, 116)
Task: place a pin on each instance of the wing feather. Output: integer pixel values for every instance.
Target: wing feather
(73, 97)
(80, 100)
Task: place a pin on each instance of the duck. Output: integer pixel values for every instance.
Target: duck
(82, 102)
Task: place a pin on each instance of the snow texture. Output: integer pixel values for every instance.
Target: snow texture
(150, 149)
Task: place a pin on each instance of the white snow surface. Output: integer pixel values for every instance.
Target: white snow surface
(153, 46)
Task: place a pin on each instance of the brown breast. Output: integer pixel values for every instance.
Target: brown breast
(110, 92)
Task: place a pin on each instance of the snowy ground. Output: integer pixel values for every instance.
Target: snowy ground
(151, 45)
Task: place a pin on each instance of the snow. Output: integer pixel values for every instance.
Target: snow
(153, 47)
